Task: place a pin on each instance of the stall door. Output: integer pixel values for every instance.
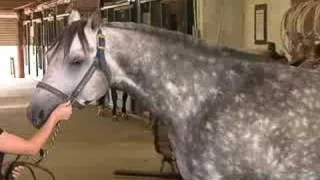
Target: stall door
(123, 14)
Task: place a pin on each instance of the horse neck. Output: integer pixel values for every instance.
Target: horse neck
(140, 65)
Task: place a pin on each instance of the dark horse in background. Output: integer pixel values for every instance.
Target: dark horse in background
(229, 116)
(114, 99)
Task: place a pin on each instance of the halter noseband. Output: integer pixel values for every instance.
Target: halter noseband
(98, 64)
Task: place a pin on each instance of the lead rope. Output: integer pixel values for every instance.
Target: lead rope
(35, 164)
(57, 131)
(43, 154)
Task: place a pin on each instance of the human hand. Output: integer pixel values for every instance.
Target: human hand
(62, 112)
(17, 171)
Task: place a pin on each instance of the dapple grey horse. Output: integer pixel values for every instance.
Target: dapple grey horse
(230, 116)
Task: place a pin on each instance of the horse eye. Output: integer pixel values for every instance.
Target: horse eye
(76, 61)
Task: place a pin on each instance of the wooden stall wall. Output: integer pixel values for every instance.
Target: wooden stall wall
(9, 62)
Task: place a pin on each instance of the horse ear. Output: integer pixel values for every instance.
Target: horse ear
(74, 16)
(94, 21)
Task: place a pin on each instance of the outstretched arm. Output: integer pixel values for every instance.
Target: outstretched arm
(10, 143)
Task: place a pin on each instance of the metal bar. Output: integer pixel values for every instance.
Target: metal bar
(49, 18)
(46, 18)
(61, 16)
(145, 1)
(115, 5)
(123, 7)
(37, 20)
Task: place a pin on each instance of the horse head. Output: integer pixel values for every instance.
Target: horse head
(74, 72)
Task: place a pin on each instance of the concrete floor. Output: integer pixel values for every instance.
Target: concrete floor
(90, 147)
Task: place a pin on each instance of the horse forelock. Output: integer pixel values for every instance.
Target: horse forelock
(66, 37)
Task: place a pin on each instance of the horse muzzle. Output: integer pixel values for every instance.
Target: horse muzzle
(37, 116)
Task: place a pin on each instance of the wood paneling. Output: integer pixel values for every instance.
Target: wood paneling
(8, 32)
(85, 5)
(293, 2)
(10, 4)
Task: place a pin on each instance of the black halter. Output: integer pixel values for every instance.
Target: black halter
(98, 64)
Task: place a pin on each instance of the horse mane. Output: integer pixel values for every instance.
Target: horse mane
(159, 32)
(65, 38)
(187, 40)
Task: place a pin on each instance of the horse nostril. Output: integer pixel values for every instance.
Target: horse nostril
(41, 115)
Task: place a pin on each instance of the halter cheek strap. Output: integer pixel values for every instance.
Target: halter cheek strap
(100, 56)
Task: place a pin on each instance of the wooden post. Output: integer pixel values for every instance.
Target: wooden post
(20, 43)
(156, 14)
(188, 16)
(138, 11)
